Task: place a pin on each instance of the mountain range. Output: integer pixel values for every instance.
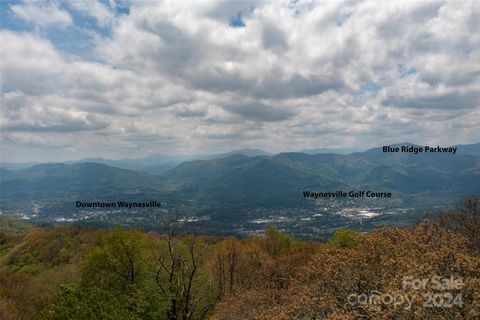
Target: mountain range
(160, 163)
(245, 179)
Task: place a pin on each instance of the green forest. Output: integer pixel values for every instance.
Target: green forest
(73, 272)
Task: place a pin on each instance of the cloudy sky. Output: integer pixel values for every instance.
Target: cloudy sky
(130, 78)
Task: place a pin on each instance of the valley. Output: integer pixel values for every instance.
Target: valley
(308, 195)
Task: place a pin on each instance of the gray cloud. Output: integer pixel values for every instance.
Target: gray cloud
(274, 39)
(48, 114)
(65, 126)
(225, 10)
(188, 112)
(271, 86)
(258, 111)
(453, 100)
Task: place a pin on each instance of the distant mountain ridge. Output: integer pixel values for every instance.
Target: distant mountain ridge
(159, 163)
(79, 180)
(246, 152)
(327, 150)
(470, 149)
(260, 180)
(405, 173)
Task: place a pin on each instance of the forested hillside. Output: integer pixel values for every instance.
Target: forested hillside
(69, 272)
(237, 182)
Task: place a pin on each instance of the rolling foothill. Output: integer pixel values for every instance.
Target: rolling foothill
(241, 191)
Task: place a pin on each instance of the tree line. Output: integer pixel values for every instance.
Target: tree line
(75, 273)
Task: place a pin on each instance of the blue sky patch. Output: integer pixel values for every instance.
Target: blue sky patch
(76, 39)
(236, 21)
(404, 71)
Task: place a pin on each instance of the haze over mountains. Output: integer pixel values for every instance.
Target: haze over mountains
(245, 178)
(472, 149)
(159, 163)
(154, 164)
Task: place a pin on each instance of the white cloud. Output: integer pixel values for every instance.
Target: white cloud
(176, 77)
(42, 13)
(30, 63)
(49, 113)
(102, 13)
